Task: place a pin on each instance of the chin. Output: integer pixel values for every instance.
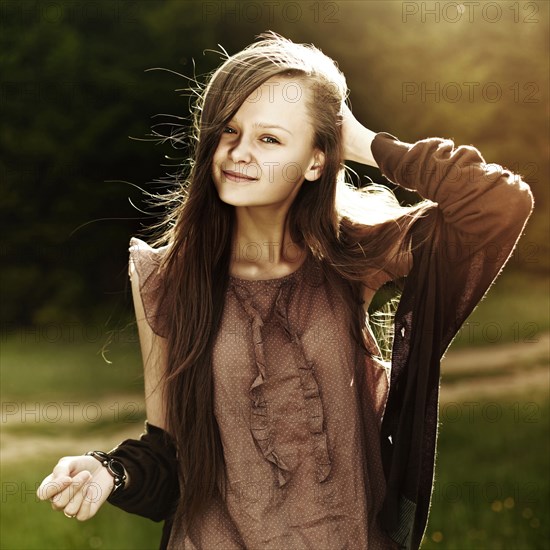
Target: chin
(240, 197)
(233, 200)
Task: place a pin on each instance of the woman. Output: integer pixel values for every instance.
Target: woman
(270, 420)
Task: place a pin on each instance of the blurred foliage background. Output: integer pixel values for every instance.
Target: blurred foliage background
(78, 104)
(75, 89)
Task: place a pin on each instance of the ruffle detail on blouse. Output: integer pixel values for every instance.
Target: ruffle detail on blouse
(261, 427)
(262, 431)
(312, 394)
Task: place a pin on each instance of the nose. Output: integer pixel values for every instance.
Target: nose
(240, 151)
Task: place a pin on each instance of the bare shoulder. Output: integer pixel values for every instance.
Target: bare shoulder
(153, 351)
(145, 258)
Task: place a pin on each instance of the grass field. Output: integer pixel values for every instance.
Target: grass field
(492, 482)
(28, 523)
(491, 490)
(60, 397)
(60, 361)
(515, 309)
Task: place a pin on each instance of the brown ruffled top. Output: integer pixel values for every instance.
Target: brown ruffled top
(295, 437)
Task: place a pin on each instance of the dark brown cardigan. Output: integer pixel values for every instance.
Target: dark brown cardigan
(459, 248)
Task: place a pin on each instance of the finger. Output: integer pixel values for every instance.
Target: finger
(75, 502)
(58, 480)
(94, 497)
(60, 500)
(83, 498)
(84, 512)
(98, 491)
(52, 486)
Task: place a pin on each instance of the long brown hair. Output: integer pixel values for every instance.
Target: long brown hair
(346, 229)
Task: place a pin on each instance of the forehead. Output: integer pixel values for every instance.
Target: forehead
(284, 98)
(286, 90)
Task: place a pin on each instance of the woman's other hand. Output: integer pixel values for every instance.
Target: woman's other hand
(78, 486)
(357, 139)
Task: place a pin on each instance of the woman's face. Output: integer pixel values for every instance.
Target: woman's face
(265, 152)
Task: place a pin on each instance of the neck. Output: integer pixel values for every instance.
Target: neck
(262, 241)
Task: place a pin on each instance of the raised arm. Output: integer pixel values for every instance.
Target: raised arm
(484, 205)
(477, 198)
(458, 249)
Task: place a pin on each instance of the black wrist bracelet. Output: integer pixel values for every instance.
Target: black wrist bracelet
(115, 468)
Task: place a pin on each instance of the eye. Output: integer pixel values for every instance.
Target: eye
(228, 130)
(272, 140)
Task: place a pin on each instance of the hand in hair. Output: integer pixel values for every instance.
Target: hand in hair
(357, 139)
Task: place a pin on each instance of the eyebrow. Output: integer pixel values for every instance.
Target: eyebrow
(267, 125)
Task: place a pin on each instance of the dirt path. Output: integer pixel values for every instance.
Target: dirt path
(497, 370)
(16, 448)
(62, 428)
(490, 371)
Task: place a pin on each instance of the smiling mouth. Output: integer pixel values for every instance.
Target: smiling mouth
(235, 176)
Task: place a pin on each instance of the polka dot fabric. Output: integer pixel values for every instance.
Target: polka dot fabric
(298, 404)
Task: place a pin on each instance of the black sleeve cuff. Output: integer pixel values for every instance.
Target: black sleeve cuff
(151, 464)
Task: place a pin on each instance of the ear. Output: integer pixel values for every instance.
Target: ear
(315, 169)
